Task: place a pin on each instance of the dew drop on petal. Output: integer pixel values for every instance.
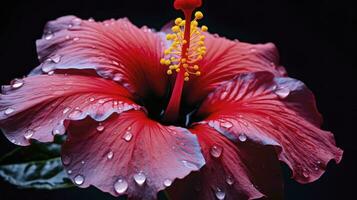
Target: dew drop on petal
(100, 127)
(110, 155)
(229, 180)
(79, 180)
(75, 39)
(56, 58)
(282, 92)
(56, 131)
(140, 178)
(220, 194)
(120, 186)
(127, 136)
(226, 124)
(91, 99)
(28, 134)
(66, 110)
(242, 137)
(167, 182)
(9, 111)
(47, 68)
(49, 36)
(69, 172)
(17, 84)
(216, 151)
(115, 63)
(83, 162)
(66, 160)
(75, 114)
(50, 73)
(305, 173)
(101, 101)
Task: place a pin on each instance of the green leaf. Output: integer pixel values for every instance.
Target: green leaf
(36, 166)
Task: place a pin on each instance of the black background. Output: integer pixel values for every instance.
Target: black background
(316, 41)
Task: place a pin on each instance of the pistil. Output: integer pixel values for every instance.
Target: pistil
(186, 50)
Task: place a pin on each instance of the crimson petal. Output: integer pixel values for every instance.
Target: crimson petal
(225, 59)
(129, 154)
(275, 111)
(34, 107)
(116, 49)
(241, 170)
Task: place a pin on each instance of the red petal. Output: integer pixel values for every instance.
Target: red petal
(233, 170)
(116, 49)
(225, 59)
(276, 111)
(148, 160)
(37, 107)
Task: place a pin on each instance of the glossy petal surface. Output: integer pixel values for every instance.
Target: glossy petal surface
(115, 49)
(274, 111)
(130, 155)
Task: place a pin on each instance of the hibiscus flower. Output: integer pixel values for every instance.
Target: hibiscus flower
(180, 109)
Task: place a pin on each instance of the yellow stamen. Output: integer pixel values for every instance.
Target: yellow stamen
(195, 51)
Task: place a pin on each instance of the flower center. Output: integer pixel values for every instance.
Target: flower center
(186, 50)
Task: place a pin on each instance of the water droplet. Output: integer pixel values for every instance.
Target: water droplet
(66, 160)
(140, 178)
(110, 155)
(76, 21)
(8, 111)
(282, 92)
(318, 162)
(49, 36)
(223, 95)
(316, 169)
(91, 99)
(242, 137)
(127, 136)
(75, 114)
(117, 77)
(56, 58)
(100, 127)
(101, 101)
(69, 172)
(28, 134)
(56, 131)
(66, 110)
(17, 84)
(47, 68)
(229, 180)
(216, 151)
(305, 174)
(115, 63)
(75, 39)
(83, 162)
(50, 73)
(226, 124)
(253, 50)
(167, 182)
(68, 37)
(120, 186)
(70, 25)
(220, 194)
(79, 180)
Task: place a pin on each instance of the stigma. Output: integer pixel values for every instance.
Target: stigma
(187, 47)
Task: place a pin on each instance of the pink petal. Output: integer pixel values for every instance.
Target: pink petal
(225, 59)
(115, 49)
(129, 154)
(233, 170)
(274, 111)
(39, 107)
